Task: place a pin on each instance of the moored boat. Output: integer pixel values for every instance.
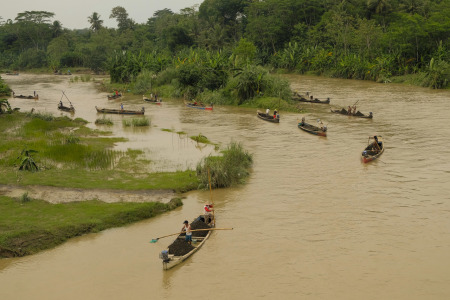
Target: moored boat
(268, 117)
(120, 111)
(156, 101)
(373, 150)
(309, 98)
(320, 131)
(198, 105)
(70, 108)
(34, 96)
(358, 114)
(180, 249)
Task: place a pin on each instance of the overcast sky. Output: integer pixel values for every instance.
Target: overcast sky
(73, 14)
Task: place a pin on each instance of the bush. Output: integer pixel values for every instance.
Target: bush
(227, 170)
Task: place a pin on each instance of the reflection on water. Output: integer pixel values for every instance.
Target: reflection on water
(311, 222)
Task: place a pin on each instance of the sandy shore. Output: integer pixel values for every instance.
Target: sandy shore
(64, 195)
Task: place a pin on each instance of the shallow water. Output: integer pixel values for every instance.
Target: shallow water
(312, 222)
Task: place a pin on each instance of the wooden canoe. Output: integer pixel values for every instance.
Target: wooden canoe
(198, 240)
(308, 98)
(357, 114)
(199, 106)
(153, 101)
(120, 111)
(268, 117)
(70, 108)
(373, 150)
(35, 97)
(312, 129)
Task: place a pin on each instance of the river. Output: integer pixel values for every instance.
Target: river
(312, 222)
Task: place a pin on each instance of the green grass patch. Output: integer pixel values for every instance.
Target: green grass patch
(136, 122)
(104, 121)
(34, 225)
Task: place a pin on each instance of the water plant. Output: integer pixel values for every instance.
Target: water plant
(136, 122)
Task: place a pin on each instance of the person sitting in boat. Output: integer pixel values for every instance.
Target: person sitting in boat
(187, 228)
(354, 109)
(349, 110)
(208, 209)
(121, 106)
(267, 111)
(377, 144)
(275, 114)
(60, 104)
(303, 120)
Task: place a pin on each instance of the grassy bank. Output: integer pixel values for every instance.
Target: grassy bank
(28, 226)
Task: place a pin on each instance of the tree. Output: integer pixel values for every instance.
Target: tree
(96, 23)
(120, 14)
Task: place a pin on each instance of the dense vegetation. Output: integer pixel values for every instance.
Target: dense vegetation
(201, 47)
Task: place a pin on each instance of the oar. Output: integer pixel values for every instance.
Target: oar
(66, 97)
(207, 229)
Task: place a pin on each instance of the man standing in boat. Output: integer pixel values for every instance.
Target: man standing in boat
(208, 209)
(187, 228)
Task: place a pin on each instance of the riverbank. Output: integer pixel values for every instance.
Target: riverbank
(29, 226)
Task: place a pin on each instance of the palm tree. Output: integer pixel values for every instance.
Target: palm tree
(96, 23)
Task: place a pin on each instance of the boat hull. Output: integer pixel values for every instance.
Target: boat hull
(312, 129)
(345, 113)
(200, 107)
(267, 117)
(369, 154)
(120, 111)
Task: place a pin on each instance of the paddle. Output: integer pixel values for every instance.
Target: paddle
(207, 229)
(66, 97)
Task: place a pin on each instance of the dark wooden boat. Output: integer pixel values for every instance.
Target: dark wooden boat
(312, 129)
(358, 114)
(12, 73)
(199, 106)
(70, 108)
(153, 101)
(309, 98)
(35, 97)
(180, 250)
(114, 96)
(120, 111)
(374, 149)
(268, 117)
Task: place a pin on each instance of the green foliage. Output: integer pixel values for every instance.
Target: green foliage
(229, 169)
(27, 162)
(104, 121)
(136, 122)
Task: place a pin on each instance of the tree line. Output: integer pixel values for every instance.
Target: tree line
(358, 39)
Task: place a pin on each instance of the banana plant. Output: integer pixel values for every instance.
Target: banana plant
(5, 107)
(27, 162)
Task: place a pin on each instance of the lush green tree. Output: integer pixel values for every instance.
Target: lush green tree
(95, 21)
(121, 15)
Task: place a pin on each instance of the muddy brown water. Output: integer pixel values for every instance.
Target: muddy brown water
(312, 222)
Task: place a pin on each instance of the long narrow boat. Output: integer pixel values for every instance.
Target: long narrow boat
(373, 150)
(153, 101)
(357, 114)
(199, 106)
(308, 98)
(180, 250)
(70, 108)
(312, 129)
(120, 111)
(268, 117)
(35, 96)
